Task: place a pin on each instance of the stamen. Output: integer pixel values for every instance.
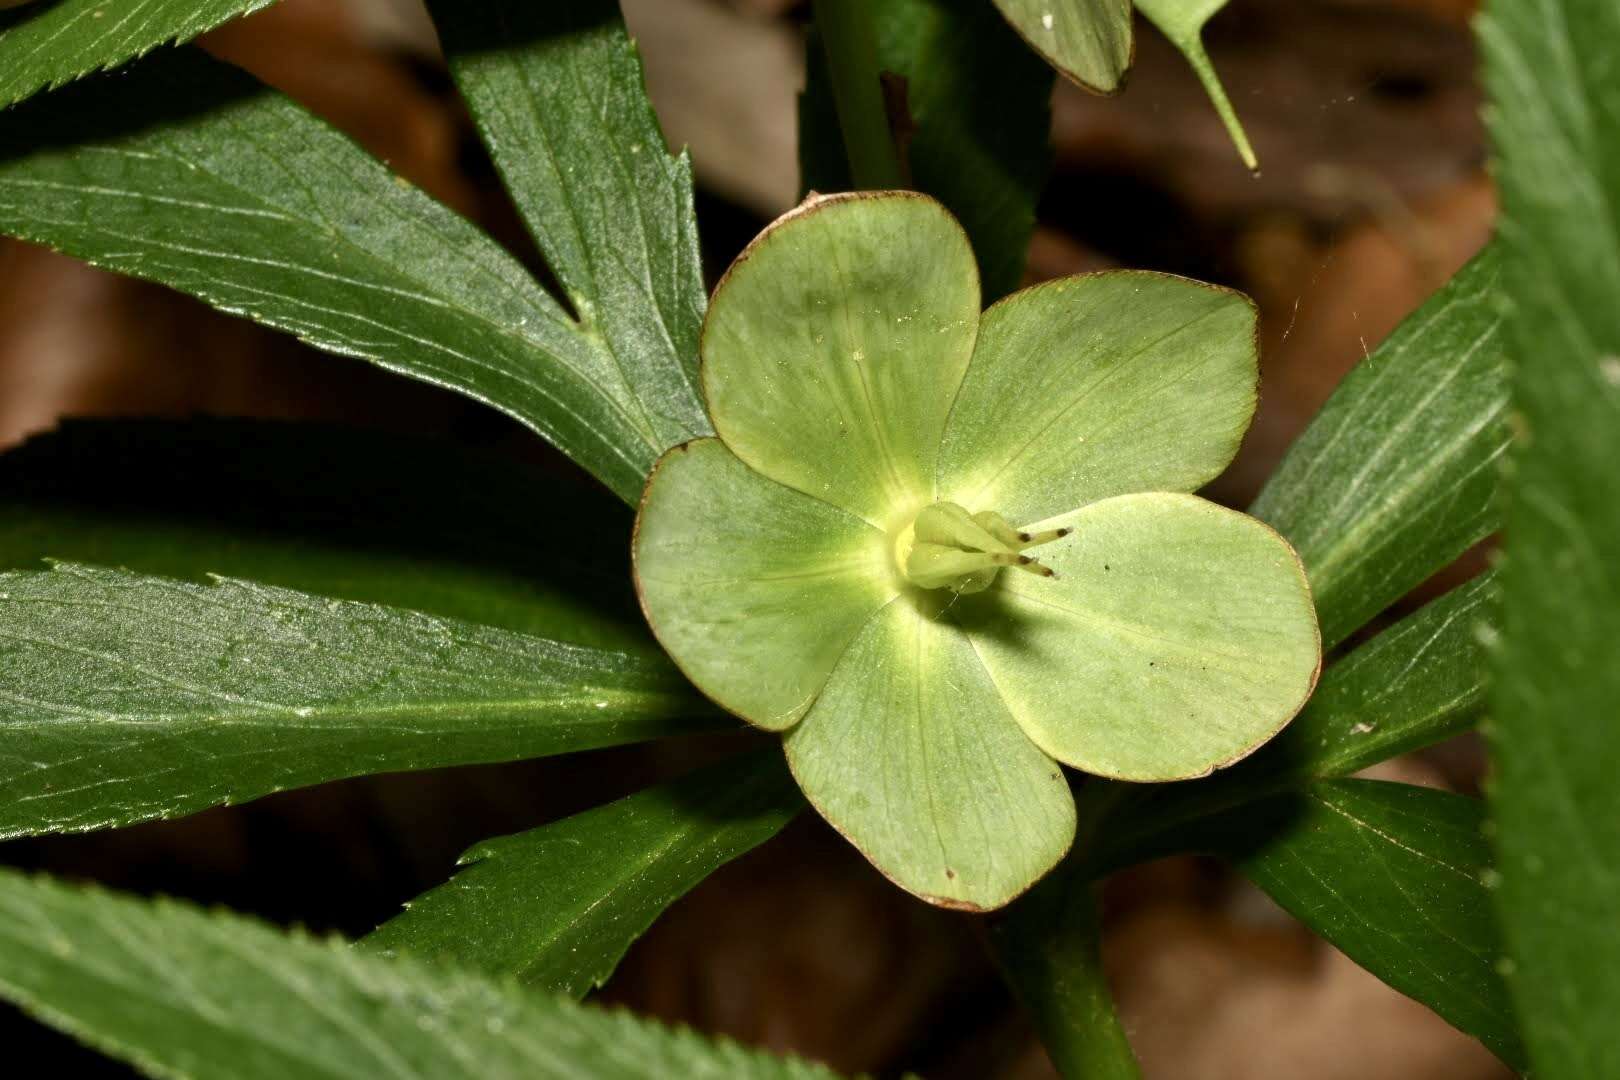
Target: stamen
(1028, 563)
(1029, 539)
(946, 547)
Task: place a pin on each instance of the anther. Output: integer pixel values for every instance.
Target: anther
(1029, 539)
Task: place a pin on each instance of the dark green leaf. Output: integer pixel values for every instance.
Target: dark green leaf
(1047, 944)
(979, 117)
(1395, 877)
(124, 697)
(557, 91)
(1396, 476)
(558, 906)
(188, 173)
(357, 515)
(370, 516)
(47, 44)
(1417, 683)
(183, 993)
(1555, 113)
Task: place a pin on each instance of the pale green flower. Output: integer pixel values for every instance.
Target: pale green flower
(852, 561)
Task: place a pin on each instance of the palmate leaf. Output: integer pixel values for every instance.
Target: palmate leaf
(1395, 877)
(356, 515)
(976, 130)
(188, 173)
(556, 90)
(182, 993)
(557, 907)
(48, 44)
(1396, 476)
(125, 697)
(1555, 116)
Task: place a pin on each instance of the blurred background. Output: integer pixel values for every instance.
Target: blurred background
(1365, 114)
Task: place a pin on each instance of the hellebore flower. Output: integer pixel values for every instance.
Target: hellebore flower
(942, 552)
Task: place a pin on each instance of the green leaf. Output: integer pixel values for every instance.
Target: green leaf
(1183, 21)
(1176, 637)
(180, 993)
(558, 906)
(754, 589)
(910, 753)
(125, 698)
(1048, 946)
(1089, 41)
(357, 515)
(188, 173)
(1396, 476)
(976, 134)
(48, 44)
(557, 91)
(1395, 877)
(861, 311)
(1555, 118)
(1416, 684)
(1100, 385)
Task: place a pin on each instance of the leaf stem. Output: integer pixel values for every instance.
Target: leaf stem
(846, 34)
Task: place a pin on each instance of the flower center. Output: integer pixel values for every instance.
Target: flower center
(945, 547)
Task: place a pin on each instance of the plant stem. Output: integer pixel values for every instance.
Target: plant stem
(846, 33)
(1049, 948)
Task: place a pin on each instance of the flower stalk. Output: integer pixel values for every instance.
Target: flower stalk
(851, 46)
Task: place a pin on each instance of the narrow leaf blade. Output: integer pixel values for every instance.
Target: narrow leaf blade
(356, 515)
(1089, 41)
(976, 129)
(46, 45)
(557, 907)
(1395, 877)
(125, 698)
(185, 172)
(1396, 476)
(1555, 116)
(1183, 22)
(179, 992)
(557, 91)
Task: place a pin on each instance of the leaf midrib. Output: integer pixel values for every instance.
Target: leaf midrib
(626, 872)
(345, 717)
(525, 343)
(1351, 541)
